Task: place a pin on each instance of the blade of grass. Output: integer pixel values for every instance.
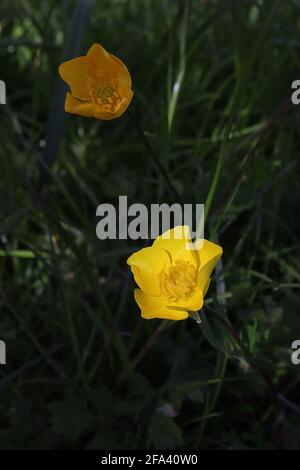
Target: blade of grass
(233, 109)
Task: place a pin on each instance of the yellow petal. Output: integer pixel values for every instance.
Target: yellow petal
(208, 251)
(89, 109)
(206, 286)
(99, 63)
(97, 55)
(155, 307)
(193, 302)
(105, 67)
(209, 255)
(87, 74)
(124, 77)
(73, 72)
(75, 106)
(110, 66)
(122, 106)
(177, 241)
(146, 264)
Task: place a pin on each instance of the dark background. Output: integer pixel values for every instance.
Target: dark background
(83, 369)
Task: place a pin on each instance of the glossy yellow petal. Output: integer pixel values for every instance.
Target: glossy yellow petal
(155, 307)
(88, 109)
(209, 255)
(206, 287)
(122, 106)
(99, 67)
(124, 78)
(75, 106)
(177, 241)
(174, 278)
(82, 108)
(106, 68)
(193, 302)
(100, 81)
(99, 62)
(146, 264)
(73, 72)
(209, 251)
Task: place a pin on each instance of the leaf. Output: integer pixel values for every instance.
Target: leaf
(251, 335)
(18, 253)
(217, 336)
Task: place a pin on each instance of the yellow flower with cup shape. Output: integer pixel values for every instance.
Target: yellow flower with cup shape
(173, 274)
(100, 84)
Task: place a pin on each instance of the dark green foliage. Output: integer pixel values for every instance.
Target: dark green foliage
(81, 372)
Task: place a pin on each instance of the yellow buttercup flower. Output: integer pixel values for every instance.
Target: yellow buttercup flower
(173, 278)
(100, 84)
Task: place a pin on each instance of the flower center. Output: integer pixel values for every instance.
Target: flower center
(178, 281)
(106, 96)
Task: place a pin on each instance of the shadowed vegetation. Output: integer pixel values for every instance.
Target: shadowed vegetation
(212, 84)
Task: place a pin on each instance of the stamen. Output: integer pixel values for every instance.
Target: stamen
(105, 95)
(178, 281)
